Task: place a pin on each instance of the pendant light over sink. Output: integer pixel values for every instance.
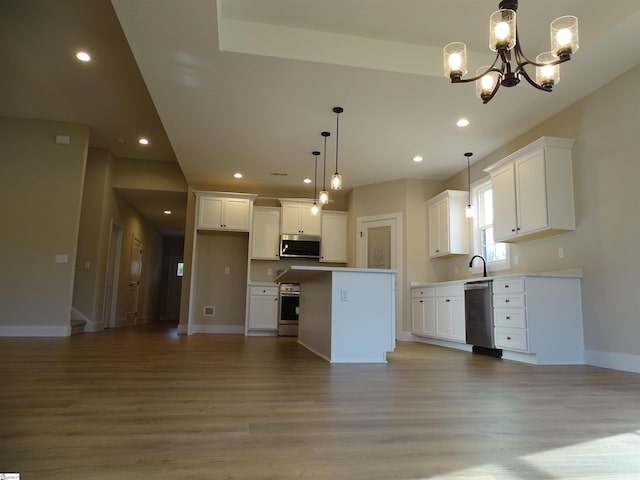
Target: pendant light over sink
(468, 211)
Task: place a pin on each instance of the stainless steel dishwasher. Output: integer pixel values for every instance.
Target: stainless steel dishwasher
(478, 311)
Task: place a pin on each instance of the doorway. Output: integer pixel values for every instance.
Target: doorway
(135, 272)
(110, 300)
(379, 245)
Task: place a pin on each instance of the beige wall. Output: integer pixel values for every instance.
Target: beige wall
(406, 197)
(41, 186)
(606, 170)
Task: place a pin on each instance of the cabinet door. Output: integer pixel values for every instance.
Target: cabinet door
(417, 316)
(263, 312)
(310, 224)
(210, 213)
(236, 214)
(334, 237)
(504, 203)
(265, 233)
(290, 219)
(531, 193)
(429, 316)
(458, 326)
(443, 317)
(438, 228)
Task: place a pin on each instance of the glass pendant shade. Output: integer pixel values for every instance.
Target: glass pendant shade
(487, 83)
(455, 59)
(315, 209)
(564, 36)
(468, 211)
(548, 75)
(502, 30)
(323, 197)
(336, 181)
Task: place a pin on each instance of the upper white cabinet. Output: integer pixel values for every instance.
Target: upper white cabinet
(333, 246)
(533, 191)
(265, 233)
(297, 219)
(224, 211)
(448, 224)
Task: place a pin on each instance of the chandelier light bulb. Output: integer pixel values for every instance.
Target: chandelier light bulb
(563, 37)
(336, 181)
(455, 61)
(323, 197)
(502, 31)
(314, 209)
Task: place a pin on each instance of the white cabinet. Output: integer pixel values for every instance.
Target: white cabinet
(533, 191)
(538, 319)
(448, 226)
(423, 311)
(265, 233)
(450, 324)
(438, 312)
(263, 308)
(333, 245)
(223, 211)
(297, 219)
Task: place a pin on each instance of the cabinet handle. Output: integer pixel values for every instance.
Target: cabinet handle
(506, 286)
(513, 229)
(421, 301)
(507, 301)
(437, 251)
(447, 300)
(518, 228)
(508, 338)
(508, 317)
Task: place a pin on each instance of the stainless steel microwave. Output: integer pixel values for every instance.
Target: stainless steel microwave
(300, 246)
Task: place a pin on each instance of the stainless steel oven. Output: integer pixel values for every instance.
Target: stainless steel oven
(288, 308)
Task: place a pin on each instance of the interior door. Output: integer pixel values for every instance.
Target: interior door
(134, 280)
(174, 288)
(378, 247)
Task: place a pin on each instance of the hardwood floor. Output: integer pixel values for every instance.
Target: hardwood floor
(145, 403)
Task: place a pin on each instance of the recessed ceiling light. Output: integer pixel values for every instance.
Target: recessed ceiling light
(463, 122)
(418, 158)
(307, 180)
(167, 212)
(83, 56)
(143, 141)
(237, 175)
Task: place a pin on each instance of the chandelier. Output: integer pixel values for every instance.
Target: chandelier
(510, 62)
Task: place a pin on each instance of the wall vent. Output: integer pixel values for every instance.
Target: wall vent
(209, 311)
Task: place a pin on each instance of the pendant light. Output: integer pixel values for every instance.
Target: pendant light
(336, 178)
(323, 196)
(314, 208)
(468, 211)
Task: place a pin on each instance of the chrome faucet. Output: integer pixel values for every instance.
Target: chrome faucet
(484, 264)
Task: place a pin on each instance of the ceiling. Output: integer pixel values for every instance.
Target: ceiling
(249, 85)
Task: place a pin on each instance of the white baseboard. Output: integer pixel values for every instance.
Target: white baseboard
(35, 331)
(442, 343)
(405, 336)
(616, 361)
(183, 329)
(217, 329)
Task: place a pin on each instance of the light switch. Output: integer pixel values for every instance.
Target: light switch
(227, 270)
(62, 258)
(269, 271)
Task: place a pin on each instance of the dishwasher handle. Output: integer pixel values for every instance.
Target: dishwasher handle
(477, 286)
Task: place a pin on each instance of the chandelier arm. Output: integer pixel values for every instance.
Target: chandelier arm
(492, 68)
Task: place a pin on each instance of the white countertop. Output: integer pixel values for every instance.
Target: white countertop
(570, 273)
(299, 272)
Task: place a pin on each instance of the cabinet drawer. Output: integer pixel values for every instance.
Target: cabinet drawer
(510, 318)
(422, 292)
(264, 291)
(514, 285)
(450, 291)
(511, 338)
(509, 301)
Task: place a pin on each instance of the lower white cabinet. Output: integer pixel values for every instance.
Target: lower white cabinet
(438, 312)
(538, 319)
(263, 308)
(423, 311)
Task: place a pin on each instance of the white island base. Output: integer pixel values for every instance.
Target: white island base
(347, 315)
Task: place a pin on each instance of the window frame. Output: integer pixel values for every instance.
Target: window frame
(477, 188)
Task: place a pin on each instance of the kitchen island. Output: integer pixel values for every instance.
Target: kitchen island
(347, 315)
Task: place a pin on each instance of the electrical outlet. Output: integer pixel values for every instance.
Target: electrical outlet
(344, 295)
(516, 260)
(269, 271)
(227, 270)
(209, 311)
(560, 252)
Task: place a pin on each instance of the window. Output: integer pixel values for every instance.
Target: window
(496, 254)
(180, 269)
